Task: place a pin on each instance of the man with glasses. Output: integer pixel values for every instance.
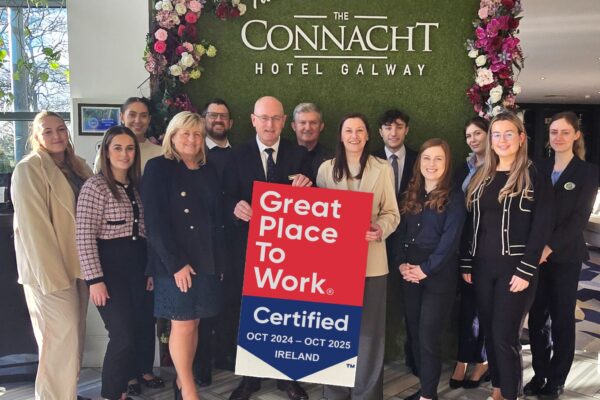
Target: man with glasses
(308, 124)
(217, 336)
(265, 158)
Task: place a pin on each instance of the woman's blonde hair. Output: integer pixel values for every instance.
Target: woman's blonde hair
(518, 177)
(182, 120)
(77, 166)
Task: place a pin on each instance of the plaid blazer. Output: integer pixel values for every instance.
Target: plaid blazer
(102, 216)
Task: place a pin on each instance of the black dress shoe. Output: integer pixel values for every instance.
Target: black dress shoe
(245, 389)
(293, 390)
(472, 384)
(134, 389)
(414, 396)
(534, 386)
(83, 398)
(551, 392)
(455, 383)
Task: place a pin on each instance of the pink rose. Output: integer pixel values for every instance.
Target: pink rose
(190, 30)
(195, 6)
(188, 46)
(180, 30)
(508, 4)
(483, 13)
(180, 50)
(160, 47)
(480, 33)
(161, 35)
(191, 18)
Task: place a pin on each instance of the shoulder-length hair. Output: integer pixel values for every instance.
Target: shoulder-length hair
(438, 197)
(133, 173)
(571, 118)
(519, 179)
(76, 165)
(184, 119)
(340, 162)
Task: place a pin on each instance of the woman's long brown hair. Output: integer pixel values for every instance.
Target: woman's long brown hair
(438, 197)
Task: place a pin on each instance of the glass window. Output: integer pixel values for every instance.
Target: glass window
(34, 70)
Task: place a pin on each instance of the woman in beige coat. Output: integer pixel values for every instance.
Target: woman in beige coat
(45, 185)
(354, 169)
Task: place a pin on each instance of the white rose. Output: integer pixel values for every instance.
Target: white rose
(175, 70)
(180, 9)
(187, 60)
(175, 19)
(235, 2)
(497, 110)
(158, 6)
(167, 6)
(484, 77)
(481, 60)
(473, 53)
(516, 89)
(242, 8)
(496, 94)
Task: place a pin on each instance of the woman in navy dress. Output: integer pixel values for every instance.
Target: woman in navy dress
(182, 200)
(552, 316)
(432, 216)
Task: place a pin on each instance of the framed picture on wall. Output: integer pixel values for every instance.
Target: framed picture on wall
(95, 119)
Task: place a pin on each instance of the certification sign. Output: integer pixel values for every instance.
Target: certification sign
(303, 284)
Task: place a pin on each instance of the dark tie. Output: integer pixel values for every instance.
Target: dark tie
(270, 165)
(395, 168)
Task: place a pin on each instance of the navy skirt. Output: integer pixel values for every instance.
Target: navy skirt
(202, 300)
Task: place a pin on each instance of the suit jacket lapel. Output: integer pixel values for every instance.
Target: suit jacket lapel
(369, 178)
(568, 173)
(255, 162)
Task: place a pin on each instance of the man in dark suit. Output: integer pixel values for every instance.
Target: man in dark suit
(217, 336)
(393, 128)
(308, 124)
(266, 158)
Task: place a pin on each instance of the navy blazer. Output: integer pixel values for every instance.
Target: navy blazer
(407, 171)
(436, 234)
(246, 167)
(574, 195)
(183, 225)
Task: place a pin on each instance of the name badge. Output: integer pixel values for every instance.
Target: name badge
(569, 186)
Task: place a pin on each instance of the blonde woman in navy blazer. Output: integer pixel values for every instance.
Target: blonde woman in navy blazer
(552, 316)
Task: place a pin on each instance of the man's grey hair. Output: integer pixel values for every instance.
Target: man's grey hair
(307, 107)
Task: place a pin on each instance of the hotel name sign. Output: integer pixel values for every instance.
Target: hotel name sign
(339, 42)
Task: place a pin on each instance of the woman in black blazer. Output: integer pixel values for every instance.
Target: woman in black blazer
(575, 185)
(184, 226)
(510, 203)
(471, 342)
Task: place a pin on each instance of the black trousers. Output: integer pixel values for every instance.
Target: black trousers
(552, 321)
(123, 262)
(427, 308)
(501, 314)
(471, 341)
(145, 337)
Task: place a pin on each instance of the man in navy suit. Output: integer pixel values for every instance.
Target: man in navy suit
(265, 158)
(393, 128)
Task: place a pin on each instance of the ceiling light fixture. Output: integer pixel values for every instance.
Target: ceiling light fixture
(543, 77)
(587, 96)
